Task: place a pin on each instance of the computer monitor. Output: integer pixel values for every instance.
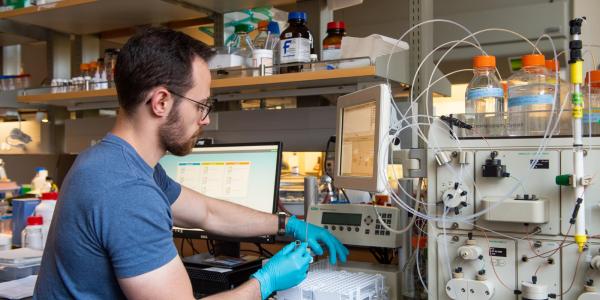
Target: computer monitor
(245, 174)
(363, 119)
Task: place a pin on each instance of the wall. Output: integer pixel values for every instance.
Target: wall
(589, 31)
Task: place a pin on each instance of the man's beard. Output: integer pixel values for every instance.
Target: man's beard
(172, 136)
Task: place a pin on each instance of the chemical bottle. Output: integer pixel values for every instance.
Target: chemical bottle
(31, 236)
(295, 44)
(241, 44)
(591, 103)
(38, 183)
(332, 44)
(563, 92)
(46, 210)
(530, 98)
(260, 41)
(484, 105)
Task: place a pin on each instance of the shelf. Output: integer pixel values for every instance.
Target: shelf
(94, 16)
(296, 80)
(221, 6)
(323, 82)
(101, 98)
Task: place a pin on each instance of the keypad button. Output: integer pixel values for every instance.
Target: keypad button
(326, 227)
(333, 227)
(367, 231)
(356, 229)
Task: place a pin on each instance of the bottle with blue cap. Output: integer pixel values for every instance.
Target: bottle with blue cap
(296, 43)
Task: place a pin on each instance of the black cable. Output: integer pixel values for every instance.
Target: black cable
(263, 250)
(191, 243)
(344, 192)
(209, 247)
(329, 141)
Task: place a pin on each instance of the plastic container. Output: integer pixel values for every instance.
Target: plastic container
(31, 237)
(262, 57)
(484, 105)
(260, 41)
(591, 96)
(295, 44)
(22, 209)
(5, 241)
(530, 98)
(46, 210)
(8, 273)
(332, 44)
(38, 183)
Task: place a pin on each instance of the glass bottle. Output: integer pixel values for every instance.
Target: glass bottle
(295, 44)
(484, 98)
(530, 98)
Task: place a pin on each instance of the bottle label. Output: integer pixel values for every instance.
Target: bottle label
(591, 116)
(530, 99)
(478, 93)
(331, 53)
(294, 50)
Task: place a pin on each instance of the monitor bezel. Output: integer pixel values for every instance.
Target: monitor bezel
(197, 233)
(381, 95)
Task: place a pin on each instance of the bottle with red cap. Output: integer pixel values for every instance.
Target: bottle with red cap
(31, 237)
(530, 98)
(484, 98)
(591, 96)
(332, 44)
(46, 210)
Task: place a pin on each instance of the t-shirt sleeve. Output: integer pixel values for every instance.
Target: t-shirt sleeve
(169, 186)
(136, 230)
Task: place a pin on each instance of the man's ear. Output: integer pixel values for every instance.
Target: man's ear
(161, 102)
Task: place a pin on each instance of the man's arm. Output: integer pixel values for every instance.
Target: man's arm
(195, 210)
(172, 282)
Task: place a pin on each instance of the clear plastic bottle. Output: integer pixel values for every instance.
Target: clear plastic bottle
(530, 98)
(273, 42)
(591, 102)
(241, 44)
(484, 105)
(31, 236)
(295, 44)
(260, 41)
(563, 92)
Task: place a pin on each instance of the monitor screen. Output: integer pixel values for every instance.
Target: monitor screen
(358, 140)
(362, 129)
(245, 174)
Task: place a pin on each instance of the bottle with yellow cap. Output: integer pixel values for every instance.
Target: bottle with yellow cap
(484, 98)
(530, 98)
(591, 102)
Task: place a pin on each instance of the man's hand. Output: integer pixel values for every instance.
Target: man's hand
(316, 234)
(286, 269)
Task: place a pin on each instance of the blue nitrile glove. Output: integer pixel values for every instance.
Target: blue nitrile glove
(316, 234)
(286, 269)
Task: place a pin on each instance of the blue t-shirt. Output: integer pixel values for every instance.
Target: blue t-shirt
(112, 220)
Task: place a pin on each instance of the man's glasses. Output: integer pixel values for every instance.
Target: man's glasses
(205, 108)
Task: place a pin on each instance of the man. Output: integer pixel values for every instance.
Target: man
(111, 234)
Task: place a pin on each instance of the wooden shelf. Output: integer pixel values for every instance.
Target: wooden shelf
(70, 98)
(45, 7)
(94, 16)
(295, 80)
(281, 82)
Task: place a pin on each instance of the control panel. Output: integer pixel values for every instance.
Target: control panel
(358, 224)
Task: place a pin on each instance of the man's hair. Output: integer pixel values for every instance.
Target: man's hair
(156, 56)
